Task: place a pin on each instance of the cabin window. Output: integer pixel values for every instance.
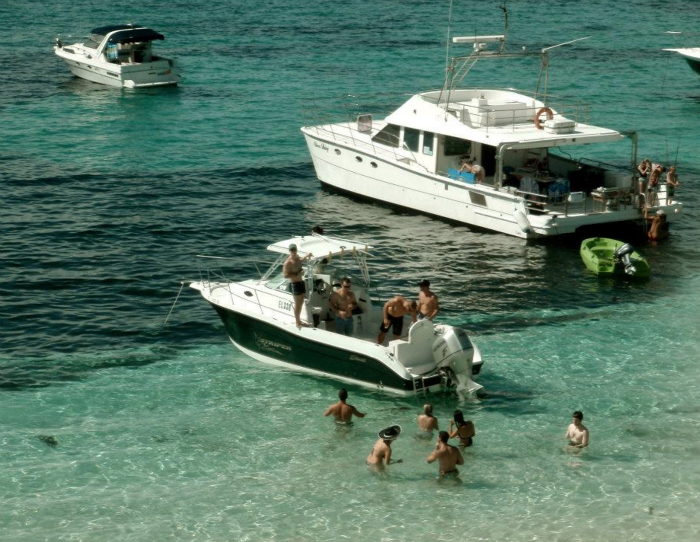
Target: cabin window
(428, 142)
(389, 135)
(477, 199)
(457, 147)
(410, 138)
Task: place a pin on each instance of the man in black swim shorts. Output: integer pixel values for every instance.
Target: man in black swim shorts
(292, 269)
(394, 311)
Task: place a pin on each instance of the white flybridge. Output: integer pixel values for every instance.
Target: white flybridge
(120, 56)
(534, 180)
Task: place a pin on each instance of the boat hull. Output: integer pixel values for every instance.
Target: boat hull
(151, 74)
(281, 345)
(369, 175)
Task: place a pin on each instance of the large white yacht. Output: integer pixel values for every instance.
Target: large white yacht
(120, 56)
(536, 179)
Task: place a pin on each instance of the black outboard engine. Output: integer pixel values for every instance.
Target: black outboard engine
(622, 254)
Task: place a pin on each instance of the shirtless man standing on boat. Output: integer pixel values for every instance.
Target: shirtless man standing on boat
(292, 270)
(394, 311)
(341, 411)
(428, 306)
(448, 457)
(577, 433)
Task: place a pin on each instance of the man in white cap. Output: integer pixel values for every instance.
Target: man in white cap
(292, 269)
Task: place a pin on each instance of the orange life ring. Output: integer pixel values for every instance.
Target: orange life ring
(538, 122)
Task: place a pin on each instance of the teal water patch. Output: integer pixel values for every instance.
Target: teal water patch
(117, 427)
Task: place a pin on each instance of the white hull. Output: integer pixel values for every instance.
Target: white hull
(395, 183)
(146, 75)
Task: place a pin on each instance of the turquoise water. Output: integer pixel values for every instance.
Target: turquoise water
(169, 433)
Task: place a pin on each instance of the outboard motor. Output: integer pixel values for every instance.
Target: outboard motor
(453, 353)
(622, 254)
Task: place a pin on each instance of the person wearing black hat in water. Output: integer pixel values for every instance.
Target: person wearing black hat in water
(428, 306)
(380, 455)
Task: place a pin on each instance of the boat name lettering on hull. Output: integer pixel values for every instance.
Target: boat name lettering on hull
(267, 344)
(285, 305)
(321, 146)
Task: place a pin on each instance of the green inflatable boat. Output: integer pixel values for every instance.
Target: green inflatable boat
(610, 257)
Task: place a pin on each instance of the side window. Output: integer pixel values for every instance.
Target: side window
(410, 138)
(389, 135)
(428, 142)
(457, 147)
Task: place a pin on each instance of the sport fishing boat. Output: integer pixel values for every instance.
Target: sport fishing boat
(691, 56)
(534, 180)
(120, 56)
(611, 257)
(258, 315)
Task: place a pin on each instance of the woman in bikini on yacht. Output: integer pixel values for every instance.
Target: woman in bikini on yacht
(465, 430)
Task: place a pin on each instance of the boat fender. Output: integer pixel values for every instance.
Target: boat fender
(538, 122)
(523, 222)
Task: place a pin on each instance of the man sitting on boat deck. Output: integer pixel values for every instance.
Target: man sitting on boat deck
(394, 311)
(343, 302)
(292, 269)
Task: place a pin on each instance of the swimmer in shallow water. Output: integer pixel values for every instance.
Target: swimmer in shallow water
(465, 430)
(577, 433)
(427, 423)
(341, 411)
(448, 457)
(380, 455)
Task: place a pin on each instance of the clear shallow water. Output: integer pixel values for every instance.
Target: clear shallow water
(170, 433)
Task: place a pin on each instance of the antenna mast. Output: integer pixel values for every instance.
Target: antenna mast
(447, 44)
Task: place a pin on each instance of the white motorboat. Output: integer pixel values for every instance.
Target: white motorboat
(536, 178)
(258, 315)
(691, 56)
(120, 56)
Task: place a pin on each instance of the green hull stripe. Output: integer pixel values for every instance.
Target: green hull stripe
(273, 342)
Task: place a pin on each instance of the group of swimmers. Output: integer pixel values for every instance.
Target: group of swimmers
(447, 456)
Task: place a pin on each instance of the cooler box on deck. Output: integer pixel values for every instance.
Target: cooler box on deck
(560, 126)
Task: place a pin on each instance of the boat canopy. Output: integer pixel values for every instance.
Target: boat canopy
(320, 246)
(127, 33)
(135, 35)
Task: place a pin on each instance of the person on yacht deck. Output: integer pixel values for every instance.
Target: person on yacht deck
(394, 311)
(428, 306)
(343, 302)
(654, 179)
(292, 269)
(671, 184)
(478, 171)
